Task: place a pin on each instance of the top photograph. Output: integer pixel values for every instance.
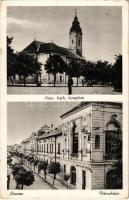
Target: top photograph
(64, 50)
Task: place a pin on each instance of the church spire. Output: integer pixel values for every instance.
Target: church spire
(75, 36)
(76, 24)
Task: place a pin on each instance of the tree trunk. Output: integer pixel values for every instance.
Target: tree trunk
(12, 81)
(45, 174)
(24, 81)
(54, 79)
(77, 81)
(67, 185)
(17, 186)
(22, 186)
(54, 178)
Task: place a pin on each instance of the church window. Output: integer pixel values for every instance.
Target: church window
(97, 142)
(72, 41)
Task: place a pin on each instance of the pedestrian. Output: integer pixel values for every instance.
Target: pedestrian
(70, 84)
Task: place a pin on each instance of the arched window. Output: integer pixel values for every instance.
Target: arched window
(114, 178)
(72, 41)
(75, 138)
(113, 141)
(73, 175)
(97, 142)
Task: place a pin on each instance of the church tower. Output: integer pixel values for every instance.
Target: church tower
(75, 36)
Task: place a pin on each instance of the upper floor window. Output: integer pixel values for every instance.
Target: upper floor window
(58, 148)
(52, 147)
(97, 142)
(75, 138)
(47, 148)
(113, 141)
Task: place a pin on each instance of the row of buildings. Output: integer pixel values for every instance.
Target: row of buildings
(87, 144)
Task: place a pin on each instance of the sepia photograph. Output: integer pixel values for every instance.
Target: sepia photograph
(64, 145)
(64, 50)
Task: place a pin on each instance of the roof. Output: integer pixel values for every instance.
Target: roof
(55, 132)
(76, 26)
(41, 47)
(83, 105)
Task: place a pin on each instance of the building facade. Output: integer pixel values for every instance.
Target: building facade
(87, 145)
(92, 143)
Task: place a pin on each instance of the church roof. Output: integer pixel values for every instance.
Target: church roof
(41, 47)
(76, 26)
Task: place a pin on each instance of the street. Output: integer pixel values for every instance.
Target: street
(38, 183)
(61, 90)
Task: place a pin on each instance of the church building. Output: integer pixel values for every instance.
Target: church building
(44, 50)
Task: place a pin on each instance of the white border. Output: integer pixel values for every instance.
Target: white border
(50, 194)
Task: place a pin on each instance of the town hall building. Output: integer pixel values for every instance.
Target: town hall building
(44, 50)
(88, 145)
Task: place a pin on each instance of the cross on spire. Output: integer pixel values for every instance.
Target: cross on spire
(75, 11)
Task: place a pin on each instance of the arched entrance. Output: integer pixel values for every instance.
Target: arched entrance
(73, 175)
(114, 178)
(113, 141)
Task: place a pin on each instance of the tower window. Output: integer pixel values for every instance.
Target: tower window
(79, 42)
(72, 41)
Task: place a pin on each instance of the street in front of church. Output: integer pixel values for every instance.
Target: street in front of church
(61, 90)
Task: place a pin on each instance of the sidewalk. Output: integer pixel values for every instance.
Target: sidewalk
(49, 178)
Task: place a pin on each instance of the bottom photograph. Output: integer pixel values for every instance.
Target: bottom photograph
(64, 145)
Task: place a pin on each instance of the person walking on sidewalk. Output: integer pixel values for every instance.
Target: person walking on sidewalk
(70, 84)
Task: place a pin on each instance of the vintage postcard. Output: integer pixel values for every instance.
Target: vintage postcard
(64, 99)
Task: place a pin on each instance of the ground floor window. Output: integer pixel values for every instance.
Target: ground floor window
(83, 180)
(73, 175)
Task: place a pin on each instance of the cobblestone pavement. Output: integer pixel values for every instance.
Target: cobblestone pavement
(61, 90)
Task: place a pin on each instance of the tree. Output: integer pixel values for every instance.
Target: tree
(43, 166)
(117, 73)
(74, 69)
(24, 177)
(16, 168)
(88, 71)
(11, 71)
(55, 64)
(54, 168)
(9, 160)
(27, 65)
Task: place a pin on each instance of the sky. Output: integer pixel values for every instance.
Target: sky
(101, 27)
(26, 117)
